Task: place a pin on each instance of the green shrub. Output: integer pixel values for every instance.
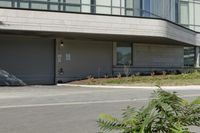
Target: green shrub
(165, 113)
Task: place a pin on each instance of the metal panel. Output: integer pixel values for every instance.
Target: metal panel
(29, 59)
(82, 58)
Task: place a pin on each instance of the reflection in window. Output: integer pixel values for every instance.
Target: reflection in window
(39, 4)
(116, 7)
(5, 3)
(24, 4)
(189, 56)
(124, 54)
(86, 6)
(133, 7)
(129, 7)
(184, 13)
(73, 5)
(54, 5)
(103, 6)
(174, 10)
(146, 8)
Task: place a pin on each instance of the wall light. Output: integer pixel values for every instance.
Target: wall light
(61, 43)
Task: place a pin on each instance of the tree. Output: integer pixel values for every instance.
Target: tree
(165, 113)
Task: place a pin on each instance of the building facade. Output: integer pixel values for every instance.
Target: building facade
(50, 41)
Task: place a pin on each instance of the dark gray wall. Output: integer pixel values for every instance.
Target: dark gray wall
(29, 59)
(155, 55)
(87, 58)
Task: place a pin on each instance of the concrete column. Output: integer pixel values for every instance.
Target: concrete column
(197, 56)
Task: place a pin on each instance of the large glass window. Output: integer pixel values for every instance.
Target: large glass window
(132, 7)
(116, 4)
(93, 6)
(184, 13)
(54, 5)
(24, 4)
(86, 6)
(129, 7)
(124, 53)
(73, 5)
(146, 8)
(176, 10)
(6, 3)
(197, 15)
(103, 6)
(39, 4)
(189, 56)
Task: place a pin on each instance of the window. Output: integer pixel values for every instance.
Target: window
(103, 6)
(129, 7)
(176, 11)
(86, 6)
(184, 13)
(132, 7)
(189, 56)
(93, 6)
(116, 7)
(146, 8)
(5, 3)
(73, 5)
(39, 4)
(54, 5)
(124, 53)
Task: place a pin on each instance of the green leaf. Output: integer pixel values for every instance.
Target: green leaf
(196, 101)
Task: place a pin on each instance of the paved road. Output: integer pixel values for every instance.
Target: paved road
(53, 109)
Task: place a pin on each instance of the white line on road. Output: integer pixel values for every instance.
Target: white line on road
(84, 103)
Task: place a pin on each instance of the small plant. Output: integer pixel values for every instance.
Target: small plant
(119, 75)
(137, 74)
(127, 69)
(90, 77)
(164, 73)
(153, 73)
(106, 76)
(165, 113)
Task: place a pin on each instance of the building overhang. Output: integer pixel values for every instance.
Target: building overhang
(88, 26)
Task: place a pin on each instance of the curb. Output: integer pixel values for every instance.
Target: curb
(189, 87)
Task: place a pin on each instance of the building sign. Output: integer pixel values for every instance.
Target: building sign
(68, 57)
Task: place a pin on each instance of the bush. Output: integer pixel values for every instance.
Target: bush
(165, 113)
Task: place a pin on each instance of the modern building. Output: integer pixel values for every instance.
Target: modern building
(49, 41)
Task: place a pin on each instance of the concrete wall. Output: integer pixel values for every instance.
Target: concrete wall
(86, 58)
(81, 58)
(44, 21)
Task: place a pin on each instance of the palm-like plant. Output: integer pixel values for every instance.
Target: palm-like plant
(165, 113)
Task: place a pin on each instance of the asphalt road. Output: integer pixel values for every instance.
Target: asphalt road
(53, 109)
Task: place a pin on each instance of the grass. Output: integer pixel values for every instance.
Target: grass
(161, 80)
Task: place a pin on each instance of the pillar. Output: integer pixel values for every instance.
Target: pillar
(197, 57)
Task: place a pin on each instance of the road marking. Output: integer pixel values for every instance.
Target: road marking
(71, 103)
(85, 103)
